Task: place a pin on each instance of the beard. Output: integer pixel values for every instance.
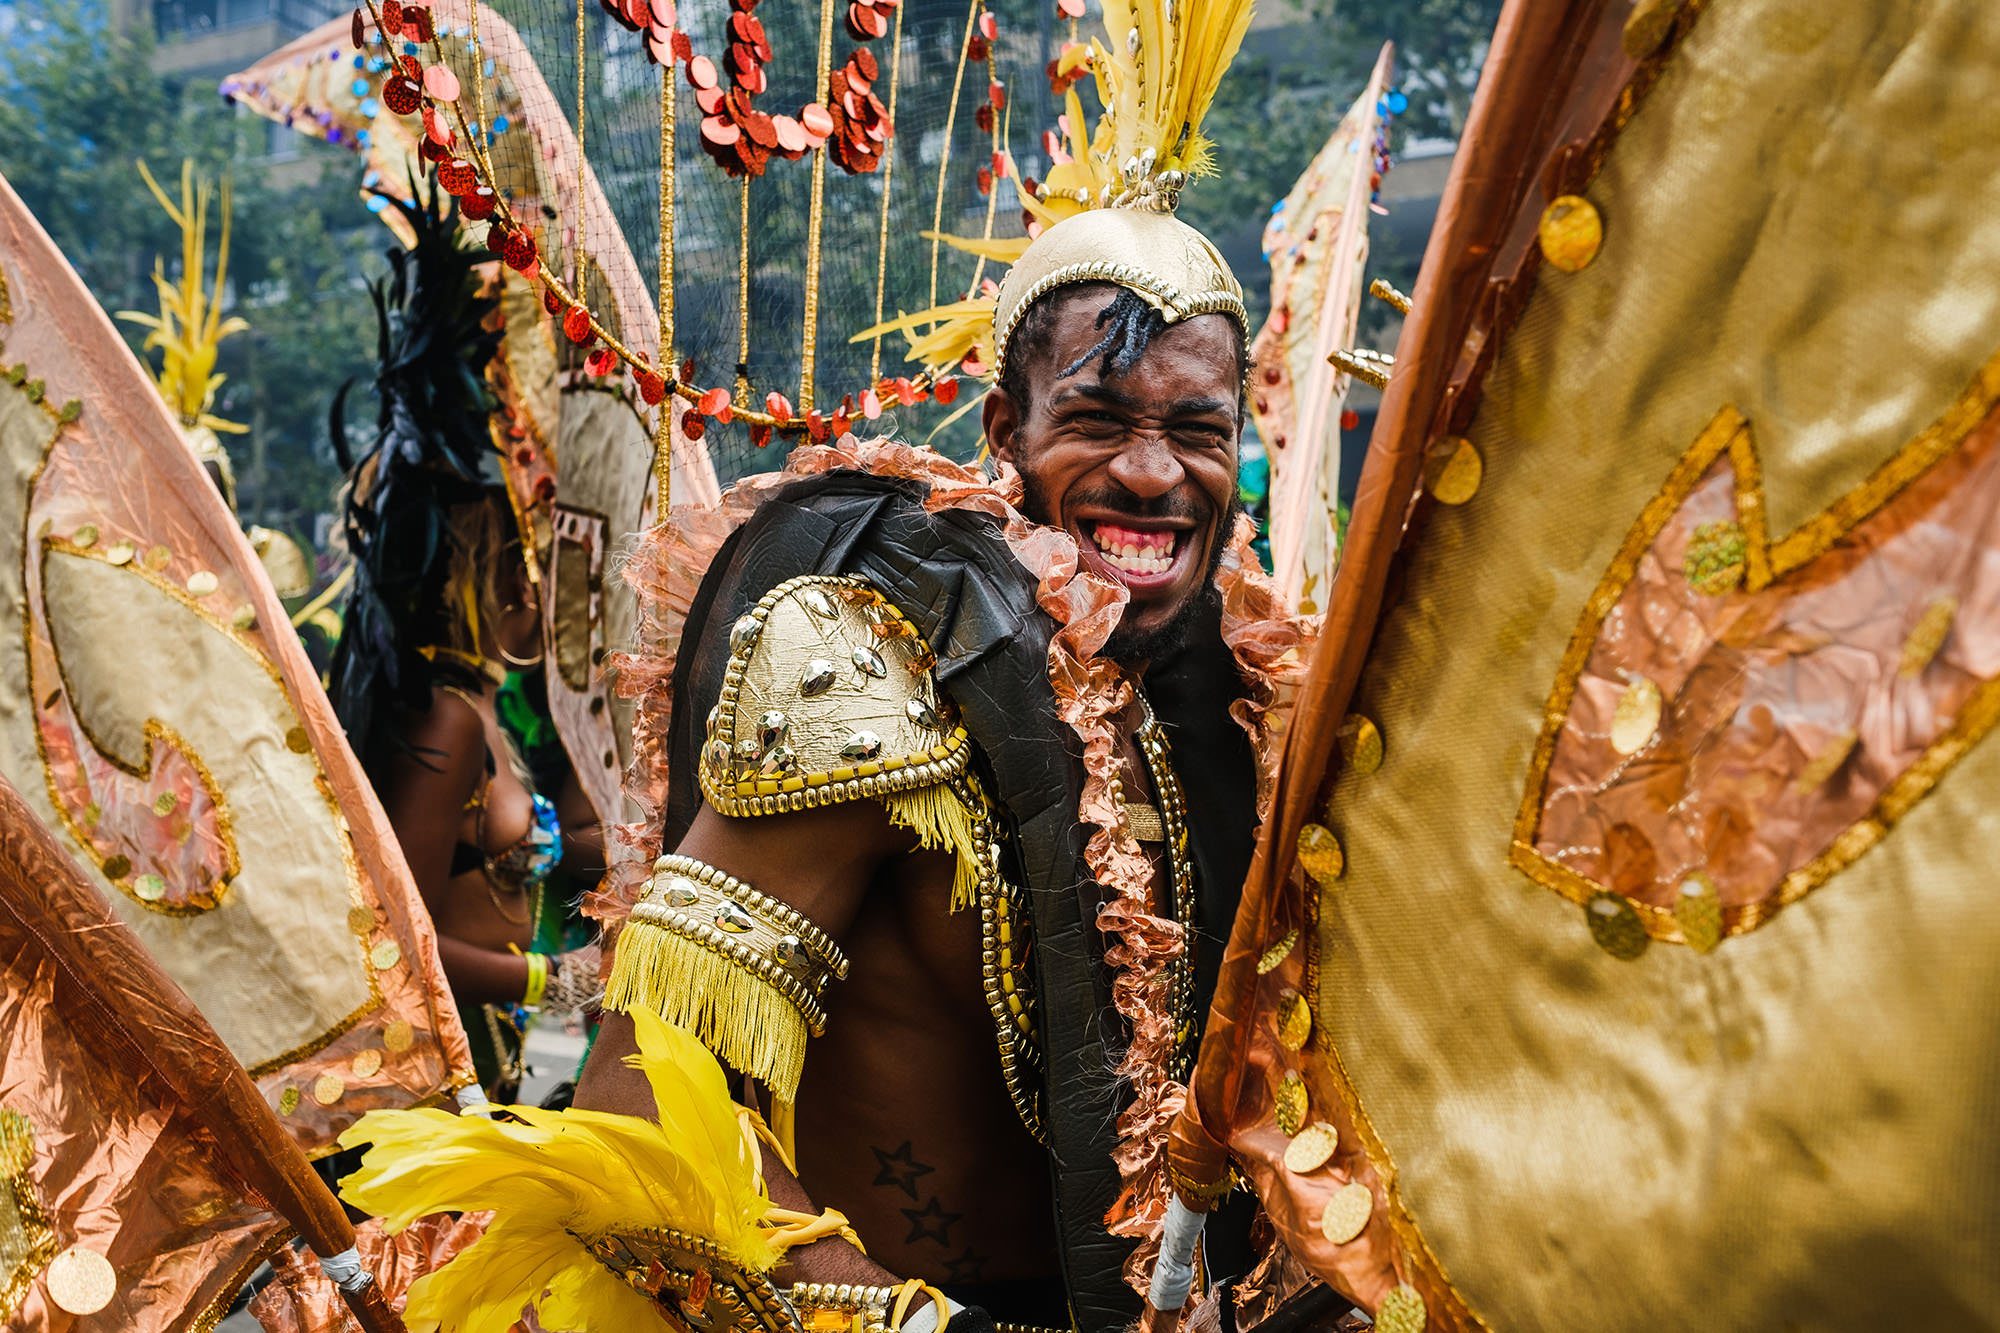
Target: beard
(1130, 645)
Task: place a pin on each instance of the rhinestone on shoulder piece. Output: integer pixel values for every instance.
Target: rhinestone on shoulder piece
(869, 663)
(773, 727)
(819, 677)
(743, 634)
(921, 713)
(818, 603)
(730, 917)
(861, 745)
(777, 759)
(790, 950)
(682, 892)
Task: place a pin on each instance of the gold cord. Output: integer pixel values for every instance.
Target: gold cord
(582, 169)
(815, 217)
(663, 432)
(743, 297)
(944, 157)
(888, 179)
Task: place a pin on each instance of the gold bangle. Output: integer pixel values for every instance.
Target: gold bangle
(538, 979)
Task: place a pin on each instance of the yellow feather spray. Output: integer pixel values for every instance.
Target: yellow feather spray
(559, 1175)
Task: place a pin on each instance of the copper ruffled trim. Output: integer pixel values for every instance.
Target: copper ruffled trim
(1141, 946)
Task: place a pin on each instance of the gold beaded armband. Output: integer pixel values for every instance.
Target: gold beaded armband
(741, 970)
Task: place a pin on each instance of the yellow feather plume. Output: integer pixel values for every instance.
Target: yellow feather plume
(559, 1175)
(190, 328)
(1156, 70)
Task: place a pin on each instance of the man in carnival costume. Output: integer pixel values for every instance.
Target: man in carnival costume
(942, 762)
(920, 756)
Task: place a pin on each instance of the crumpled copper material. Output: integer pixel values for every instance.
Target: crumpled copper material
(1140, 945)
(1791, 712)
(158, 712)
(301, 1299)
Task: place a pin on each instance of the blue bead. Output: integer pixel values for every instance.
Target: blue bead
(360, 88)
(1398, 104)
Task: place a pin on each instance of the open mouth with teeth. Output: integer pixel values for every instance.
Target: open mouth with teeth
(1139, 553)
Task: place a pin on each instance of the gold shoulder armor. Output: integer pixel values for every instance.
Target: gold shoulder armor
(829, 696)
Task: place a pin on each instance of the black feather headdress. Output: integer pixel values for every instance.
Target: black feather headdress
(431, 452)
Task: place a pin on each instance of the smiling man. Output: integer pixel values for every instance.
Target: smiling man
(943, 883)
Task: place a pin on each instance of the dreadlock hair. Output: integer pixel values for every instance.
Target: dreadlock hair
(1130, 323)
(417, 515)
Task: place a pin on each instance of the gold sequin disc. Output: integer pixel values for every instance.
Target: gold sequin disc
(1698, 912)
(150, 887)
(1360, 744)
(1453, 470)
(1616, 926)
(385, 954)
(201, 583)
(1320, 855)
(84, 536)
(119, 553)
(297, 741)
(1401, 1311)
(399, 1036)
(1347, 1212)
(1311, 1149)
(327, 1089)
(81, 1281)
(360, 919)
(164, 803)
(244, 616)
(1716, 558)
(1927, 636)
(368, 1063)
(1295, 1020)
(1637, 717)
(288, 1101)
(1278, 953)
(1571, 233)
(158, 558)
(1290, 1104)
(117, 866)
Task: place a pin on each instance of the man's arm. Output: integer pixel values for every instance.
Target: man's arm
(820, 862)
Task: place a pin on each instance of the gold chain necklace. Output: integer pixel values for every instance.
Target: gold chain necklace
(1172, 816)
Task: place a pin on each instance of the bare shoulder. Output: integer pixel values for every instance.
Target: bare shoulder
(447, 740)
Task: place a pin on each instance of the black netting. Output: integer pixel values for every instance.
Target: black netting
(622, 145)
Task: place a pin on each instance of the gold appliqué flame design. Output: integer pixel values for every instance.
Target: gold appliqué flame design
(1749, 682)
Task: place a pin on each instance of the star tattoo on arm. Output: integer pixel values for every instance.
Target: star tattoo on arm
(968, 1267)
(930, 1222)
(899, 1169)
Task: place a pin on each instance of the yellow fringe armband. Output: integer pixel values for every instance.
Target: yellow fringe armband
(740, 970)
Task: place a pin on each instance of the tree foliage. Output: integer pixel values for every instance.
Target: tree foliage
(79, 105)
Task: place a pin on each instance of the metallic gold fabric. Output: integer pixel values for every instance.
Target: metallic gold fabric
(829, 697)
(158, 713)
(1176, 268)
(1793, 1130)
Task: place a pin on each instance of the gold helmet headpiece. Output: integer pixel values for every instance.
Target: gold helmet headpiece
(1105, 213)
